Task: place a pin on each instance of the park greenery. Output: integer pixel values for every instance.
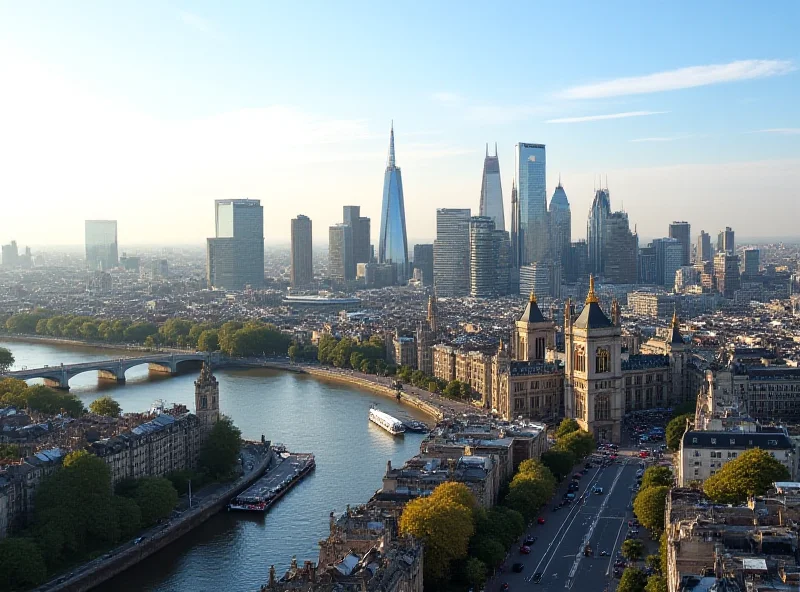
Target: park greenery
(39, 398)
(632, 580)
(6, 360)
(105, 405)
(571, 438)
(221, 450)
(751, 474)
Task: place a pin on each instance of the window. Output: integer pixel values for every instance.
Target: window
(519, 404)
(602, 360)
(580, 360)
(602, 408)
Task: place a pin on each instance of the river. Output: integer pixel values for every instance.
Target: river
(233, 551)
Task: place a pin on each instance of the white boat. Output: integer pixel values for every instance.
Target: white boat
(391, 424)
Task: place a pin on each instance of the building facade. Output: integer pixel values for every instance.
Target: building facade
(491, 205)
(533, 235)
(619, 250)
(482, 257)
(560, 219)
(451, 251)
(360, 228)
(101, 245)
(302, 272)
(423, 262)
(393, 243)
(681, 231)
(596, 230)
(235, 257)
(726, 273)
(341, 266)
(725, 241)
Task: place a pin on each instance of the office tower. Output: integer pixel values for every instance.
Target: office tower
(481, 257)
(235, 257)
(423, 261)
(341, 267)
(560, 226)
(535, 278)
(577, 266)
(620, 249)
(393, 245)
(726, 273)
(681, 231)
(647, 265)
(704, 251)
(101, 244)
(451, 252)
(302, 267)
(515, 253)
(10, 255)
(669, 254)
(725, 242)
(501, 253)
(752, 262)
(595, 229)
(360, 226)
(532, 195)
(491, 190)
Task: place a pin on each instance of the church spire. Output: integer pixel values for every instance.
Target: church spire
(591, 297)
(532, 298)
(390, 164)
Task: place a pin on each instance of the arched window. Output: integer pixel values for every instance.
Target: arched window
(580, 360)
(602, 361)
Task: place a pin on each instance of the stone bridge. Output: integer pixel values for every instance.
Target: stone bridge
(59, 376)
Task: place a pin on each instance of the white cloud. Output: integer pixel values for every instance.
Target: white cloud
(690, 77)
(785, 131)
(448, 98)
(663, 138)
(624, 115)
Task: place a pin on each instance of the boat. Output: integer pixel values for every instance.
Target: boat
(288, 472)
(412, 425)
(391, 424)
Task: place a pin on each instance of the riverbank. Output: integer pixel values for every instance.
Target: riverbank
(49, 340)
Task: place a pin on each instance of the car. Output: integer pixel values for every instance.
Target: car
(540, 520)
(617, 573)
(531, 540)
(630, 523)
(504, 586)
(537, 577)
(597, 490)
(525, 550)
(635, 531)
(517, 567)
(577, 476)
(643, 454)
(139, 540)
(639, 473)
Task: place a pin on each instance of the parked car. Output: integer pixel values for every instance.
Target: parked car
(530, 541)
(504, 586)
(540, 520)
(597, 490)
(525, 550)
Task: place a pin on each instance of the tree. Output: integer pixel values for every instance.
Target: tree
(632, 580)
(649, 507)
(489, 550)
(355, 360)
(656, 583)
(129, 516)
(139, 332)
(46, 400)
(567, 426)
(293, 352)
(443, 524)
(221, 450)
(688, 407)
(6, 360)
(753, 473)
(653, 561)
(208, 340)
(105, 406)
(632, 549)
(657, 477)
(560, 462)
(367, 367)
(453, 389)
(21, 564)
(675, 430)
(10, 452)
(156, 498)
(13, 392)
(466, 390)
(475, 572)
(579, 443)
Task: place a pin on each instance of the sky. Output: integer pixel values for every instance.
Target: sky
(147, 112)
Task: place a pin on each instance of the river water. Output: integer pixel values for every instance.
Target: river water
(233, 551)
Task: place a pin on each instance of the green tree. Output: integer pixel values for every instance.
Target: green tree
(466, 391)
(632, 580)
(293, 352)
(444, 524)
(128, 515)
(105, 406)
(355, 360)
(89, 331)
(175, 331)
(221, 450)
(753, 473)
(404, 374)
(10, 452)
(649, 507)
(208, 340)
(675, 429)
(653, 561)
(567, 426)
(6, 360)
(632, 549)
(24, 322)
(656, 583)
(139, 332)
(560, 462)
(367, 367)
(657, 477)
(340, 356)
(13, 392)
(688, 407)
(325, 348)
(475, 572)
(21, 564)
(453, 389)
(579, 443)
(46, 400)
(156, 498)
(489, 550)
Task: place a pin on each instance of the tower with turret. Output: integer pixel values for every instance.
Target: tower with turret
(533, 334)
(206, 400)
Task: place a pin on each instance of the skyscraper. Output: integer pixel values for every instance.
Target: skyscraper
(620, 250)
(481, 257)
(302, 267)
(360, 226)
(393, 245)
(451, 252)
(501, 253)
(595, 230)
(101, 245)
(752, 262)
(560, 226)
(341, 267)
(532, 195)
(704, 252)
(726, 273)
(11, 255)
(423, 261)
(235, 257)
(492, 191)
(725, 241)
(577, 266)
(515, 253)
(669, 255)
(681, 231)
(648, 270)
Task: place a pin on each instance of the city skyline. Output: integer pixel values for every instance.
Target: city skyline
(658, 125)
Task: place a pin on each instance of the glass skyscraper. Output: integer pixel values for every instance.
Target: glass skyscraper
(393, 245)
(101, 245)
(534, 240)
(491, 191)
(596, 229)
(235, 257)
(451, 252)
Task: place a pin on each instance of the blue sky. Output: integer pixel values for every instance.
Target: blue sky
(146, 113)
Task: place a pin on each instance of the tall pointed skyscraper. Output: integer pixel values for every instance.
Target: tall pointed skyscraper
(492, 191)
(560, 226)
(596, 229)
(393, 245)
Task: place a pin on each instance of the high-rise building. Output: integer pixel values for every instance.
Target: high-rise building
(726, 273)
(725, 241)
(360, 226)
(235, 257)
(101, 245)
(535, 278)
(491, 190)
(681, 231)
(669, 254)
(515, 248)
(302, 267)
(393, 244)
(620, 250)
(423, 261)
(10, 255)
(451, 252)
(595, 229)
(341, 267)
(481, 257)
(577, 266)
(648, 269)
(560, 219)
(533, 235)
(704, 251)
(752, 262)
(501, 252)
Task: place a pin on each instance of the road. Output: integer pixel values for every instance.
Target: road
(601, 521)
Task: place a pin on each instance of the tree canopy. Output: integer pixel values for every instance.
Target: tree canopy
(656, 583)
(579, 443)
(649, 507)
(560, 462)
(752, 473)
(221, 450)
(675, 430)
(105, 406)
(532, 486)
(155, 497)
(632, 580)
(39, 398)
(632, 549)
(567, 426)
(21, 564)
(6, 360)
(657, 477)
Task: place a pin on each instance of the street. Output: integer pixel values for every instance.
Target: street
(601, 522)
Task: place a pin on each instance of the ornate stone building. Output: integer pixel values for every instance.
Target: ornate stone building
(206, 400)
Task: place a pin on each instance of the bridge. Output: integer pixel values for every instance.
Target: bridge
(59, 376)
